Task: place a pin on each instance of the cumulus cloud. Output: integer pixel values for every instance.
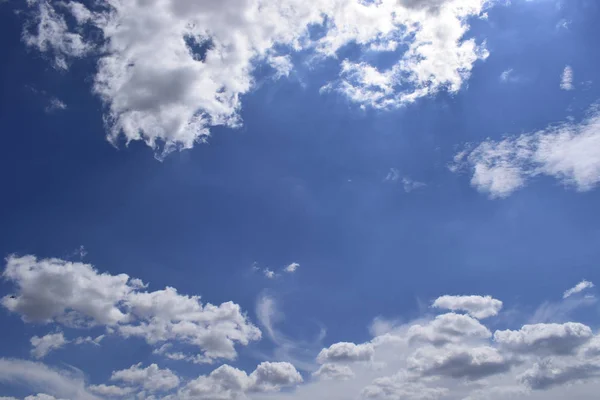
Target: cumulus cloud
(569, 152)
(448, 328)
(345, 352)
(566, 79)
(459, 362)
(151, 378)
(545, 338)
(168, 71)
(479, 307)
(75, 294)
(45, 344)
(229, 383)
(580, 287)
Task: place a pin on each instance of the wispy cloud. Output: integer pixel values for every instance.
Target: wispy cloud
(566, 80)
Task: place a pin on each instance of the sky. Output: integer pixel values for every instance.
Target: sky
(292, 199)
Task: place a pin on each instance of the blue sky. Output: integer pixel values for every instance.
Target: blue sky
(334, 199)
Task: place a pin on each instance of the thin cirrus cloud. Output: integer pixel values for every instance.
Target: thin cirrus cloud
(208, 53)
(568, 152)
(566, 79)
(580, 287)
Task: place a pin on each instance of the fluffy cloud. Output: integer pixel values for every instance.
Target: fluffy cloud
(345, 352)
(580, 287)
(228, 383)
(111, 390)
(170, 70)
(291, 268)
(448, 328)
(569, 152)
(545, 338)
(401, 386)
(151, 378)
(459, 362)
(479, 307)
(45, 344)
(76, 294)
(566, 79)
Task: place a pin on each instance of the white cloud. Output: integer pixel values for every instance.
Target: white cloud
(399, 387)
(569, 152)
(410, 185)
(37, 377)
(345, 352)
(506, 75)
(55, 105)
(151, 378)
(269, 273)
(228, 383)
(291, 268)
(448, 328)
(41, 396)
(88, 339)
(392, 176)
(580, 287)
(49, 33)
(566, 79)
(75, 294)
(111, 390)
(334, 372)
(479, 307)
(545, 338)
(459, 362)
(170, 70)
(45, 344)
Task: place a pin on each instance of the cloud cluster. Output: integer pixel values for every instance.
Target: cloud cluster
(75, 294)
(448, 356)
(170, 70)
(569, 152)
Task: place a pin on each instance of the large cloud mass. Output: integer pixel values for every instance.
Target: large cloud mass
(77, 295)
(168, 70)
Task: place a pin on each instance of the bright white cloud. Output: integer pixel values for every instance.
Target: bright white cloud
(170, 70)
(479, 307)
(566, 79)
(580, 287)
(45, 344)
(228, 383)
(345, 352)
(151, 378)
(569, 152)
(291, 268)
(80, 296)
